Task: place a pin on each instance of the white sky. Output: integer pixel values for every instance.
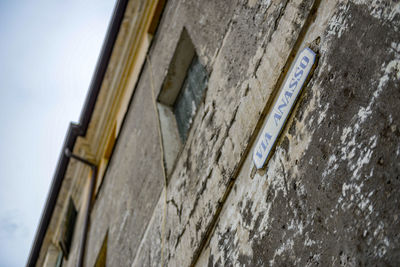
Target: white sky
(48, 51)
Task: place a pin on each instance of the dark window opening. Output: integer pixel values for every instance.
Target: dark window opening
(189, 97)
(102, 256)
(179, 98)
(59, 259)
(68, 226)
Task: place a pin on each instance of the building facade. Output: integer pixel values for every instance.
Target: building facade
(159, 171)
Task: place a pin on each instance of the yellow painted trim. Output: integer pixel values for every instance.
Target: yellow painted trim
(123, 90)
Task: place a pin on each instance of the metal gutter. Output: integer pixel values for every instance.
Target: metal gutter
(79, 129)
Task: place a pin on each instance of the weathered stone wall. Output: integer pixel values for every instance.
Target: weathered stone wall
(329, 195)
(329, 192)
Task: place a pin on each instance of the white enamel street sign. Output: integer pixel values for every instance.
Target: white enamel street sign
(282, 107)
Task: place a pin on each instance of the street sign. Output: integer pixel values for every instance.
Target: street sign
(282, 107)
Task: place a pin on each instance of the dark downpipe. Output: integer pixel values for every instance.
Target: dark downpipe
(88, 204)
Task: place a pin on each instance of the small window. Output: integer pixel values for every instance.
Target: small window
(190, 96)
(68, 226)
(53, 257)
(59, 259)
(102, 256)
(182, 92)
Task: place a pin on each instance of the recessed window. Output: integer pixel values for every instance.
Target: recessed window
(68, 226)
(182, 92)
(54, 256)
(102, 256)
(59, 259)
(190, 96)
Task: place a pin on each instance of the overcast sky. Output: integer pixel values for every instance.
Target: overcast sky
(48, 51)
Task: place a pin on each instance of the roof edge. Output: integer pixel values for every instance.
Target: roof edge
(79, 129)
